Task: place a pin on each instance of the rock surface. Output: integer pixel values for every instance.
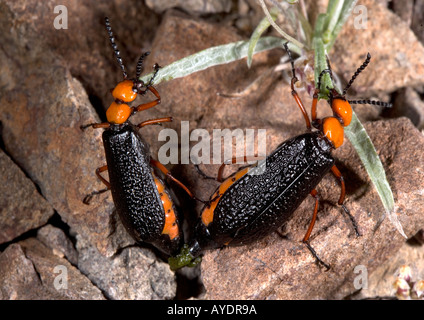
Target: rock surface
(21, 206)
(54, 80)
(59, 278)
(32, 271)
(381, 280)
(408, 104)
(192, 6)
(132, 274)
(57, 240)
(42, 130)
(53, 150)
(390, 69)
(18, 278)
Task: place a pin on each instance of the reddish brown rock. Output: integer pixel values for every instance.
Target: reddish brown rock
(417, 19)
(22, 208)
(84, 46)
(60, 157)
(408, 104)
(42, 133)
(192, 6)
(280, 266)
(200, 98)
(397, 55)
(404, 9)
(42, 129)
(380, 281)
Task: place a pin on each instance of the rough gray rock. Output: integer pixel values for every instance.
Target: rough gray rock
(133, 273)
(31, 271)
(22, 208)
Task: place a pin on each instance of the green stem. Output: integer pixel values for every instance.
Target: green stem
(279, 30)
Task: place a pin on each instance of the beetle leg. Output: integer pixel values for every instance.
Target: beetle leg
(154, 121)
(234, 160)
(96, 125)
(221, 169)
(167, 173)
(294, 92)
(314, 106)
(352, 220)
(314, 194)
(156, 67)
(305, 240)
(90, 196)
(204, 175)
(327, 266)
(339, 176)
(300, 104)
(100, 170)
(150, 104)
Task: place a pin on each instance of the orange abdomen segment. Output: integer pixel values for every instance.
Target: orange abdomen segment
(207, 214)
(171, 226)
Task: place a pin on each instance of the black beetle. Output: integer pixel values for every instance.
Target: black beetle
(256, 201)
(140, 196)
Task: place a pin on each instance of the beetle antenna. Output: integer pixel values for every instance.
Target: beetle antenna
(115, 47)
(150, 83)
(358, 71)
(156, 67)
(373, 102)
(291, 58)
(140, 64)
(329, 71)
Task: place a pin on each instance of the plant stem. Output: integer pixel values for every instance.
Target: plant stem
(276, 27)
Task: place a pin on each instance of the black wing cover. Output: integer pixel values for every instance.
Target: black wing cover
(258, 204)
(134, 192)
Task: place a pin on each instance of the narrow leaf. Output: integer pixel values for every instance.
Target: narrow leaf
(260, 29)
(319, 25)
(343, 15)
(360, 140)
(333, 12)
(215, 56)
(277, 28)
